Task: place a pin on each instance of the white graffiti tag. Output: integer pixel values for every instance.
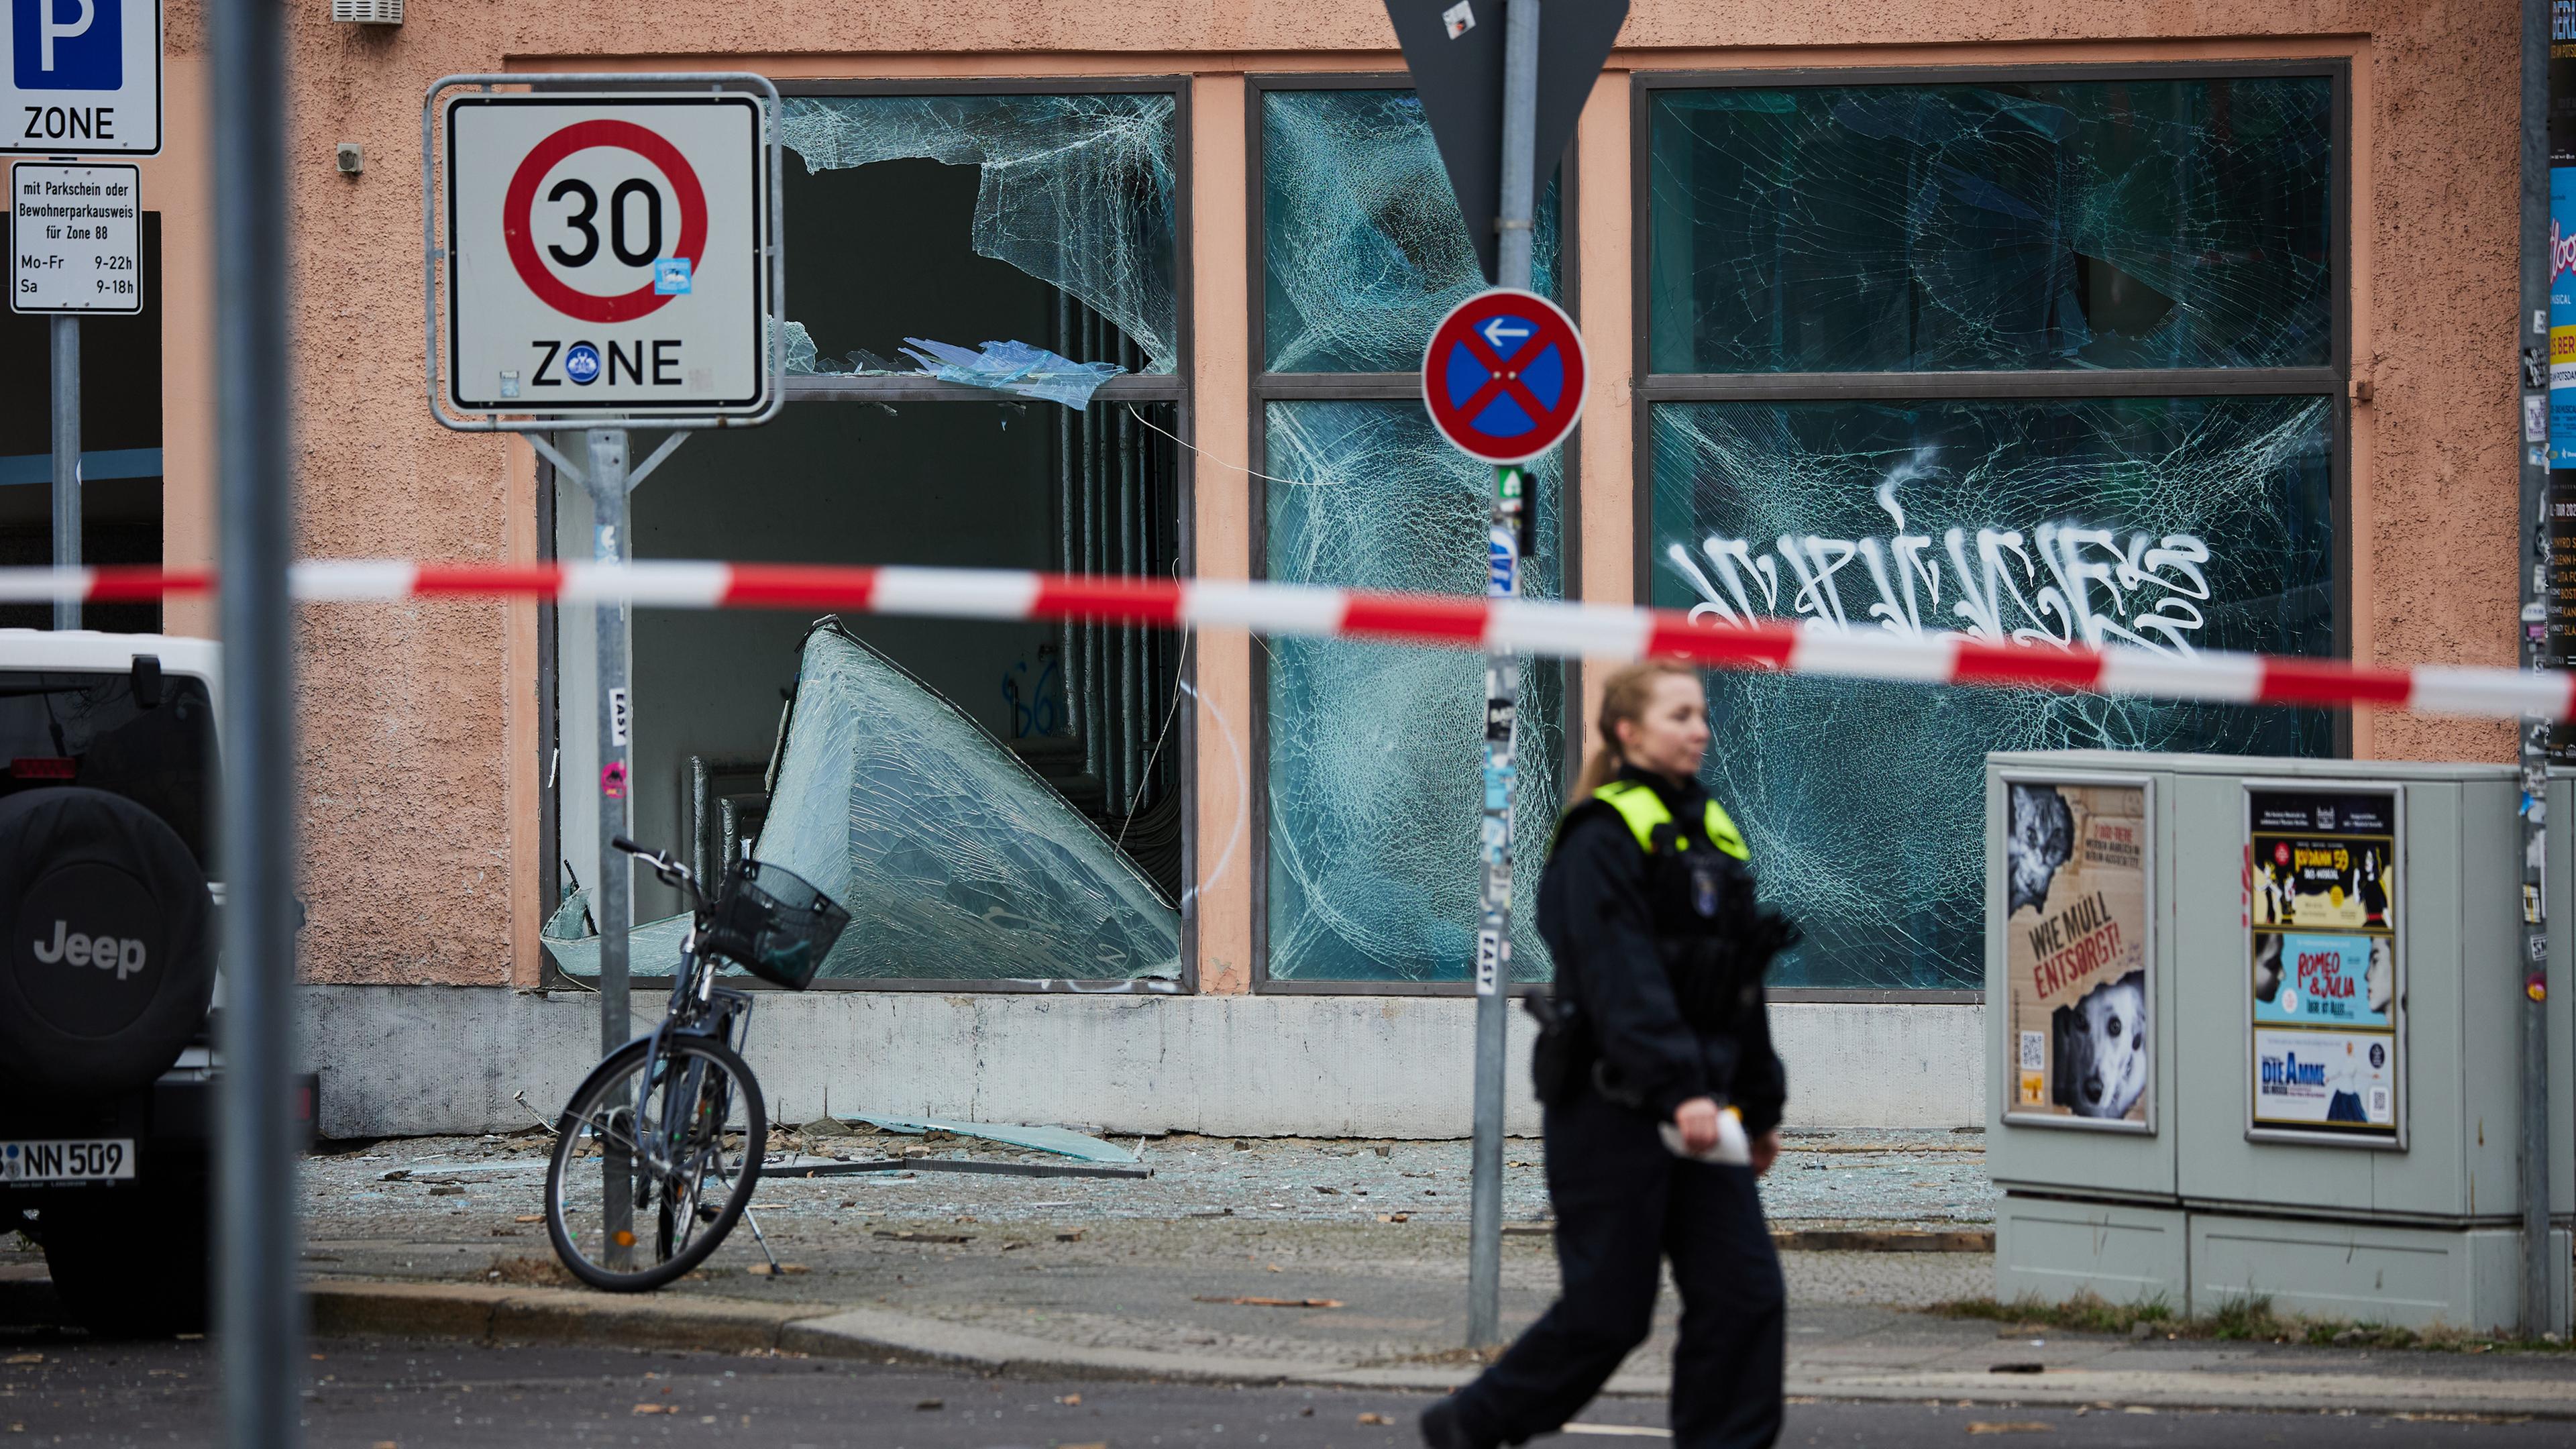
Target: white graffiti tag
(2063, 583)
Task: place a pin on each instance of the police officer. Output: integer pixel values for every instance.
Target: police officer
(1657, 1030)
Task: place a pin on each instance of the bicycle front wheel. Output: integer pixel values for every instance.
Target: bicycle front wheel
(681, 1131)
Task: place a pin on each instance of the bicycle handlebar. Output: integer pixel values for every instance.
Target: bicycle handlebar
(664, 865)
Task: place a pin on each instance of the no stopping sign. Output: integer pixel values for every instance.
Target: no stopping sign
(607, 254)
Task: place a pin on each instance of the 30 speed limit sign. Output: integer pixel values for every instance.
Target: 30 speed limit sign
(608, 254)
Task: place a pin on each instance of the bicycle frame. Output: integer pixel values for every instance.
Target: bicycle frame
(697, 1007)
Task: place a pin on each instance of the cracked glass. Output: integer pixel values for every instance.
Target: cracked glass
(1363, 247)
(1375, 799)
(2172, 524)
(2000, 225)
(1075, 190)
(955, 859)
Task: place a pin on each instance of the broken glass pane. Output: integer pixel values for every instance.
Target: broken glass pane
(1075, 190)
(953, 858)
(1015, 368)
(2172, 524)
(1364, 247)
(1376, 752)
(2033, 224)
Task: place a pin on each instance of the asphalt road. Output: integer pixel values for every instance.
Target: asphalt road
(371, 1394)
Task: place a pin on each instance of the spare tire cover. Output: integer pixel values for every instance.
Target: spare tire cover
(108, 967)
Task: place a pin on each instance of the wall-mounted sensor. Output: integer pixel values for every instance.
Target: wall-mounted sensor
(350, 157)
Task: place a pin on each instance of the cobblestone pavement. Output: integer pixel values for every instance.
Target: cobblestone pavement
(1880, 1179)
(1376, 1228)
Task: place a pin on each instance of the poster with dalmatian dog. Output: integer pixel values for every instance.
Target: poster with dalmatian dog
(2080, 1050)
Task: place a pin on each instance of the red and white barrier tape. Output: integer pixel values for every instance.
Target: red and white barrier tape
(1592, 631)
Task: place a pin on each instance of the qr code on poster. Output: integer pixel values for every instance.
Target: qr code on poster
(2034, 1051)
(2378, 1110)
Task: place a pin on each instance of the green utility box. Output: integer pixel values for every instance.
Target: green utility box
(2254, 1030)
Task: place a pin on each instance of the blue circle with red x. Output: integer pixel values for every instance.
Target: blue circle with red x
(1504, 376)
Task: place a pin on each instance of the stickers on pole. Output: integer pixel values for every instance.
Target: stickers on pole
(81, 78)
(608, 254)
(1504, 376)
(75, 239)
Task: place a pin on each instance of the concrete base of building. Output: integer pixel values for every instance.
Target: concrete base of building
(420, 1060)
(2197, 1263)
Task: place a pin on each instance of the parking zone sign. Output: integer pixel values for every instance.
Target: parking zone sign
(608, 255)
(81, 78)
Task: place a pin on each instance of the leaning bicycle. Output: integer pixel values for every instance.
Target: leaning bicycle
(657, 1153)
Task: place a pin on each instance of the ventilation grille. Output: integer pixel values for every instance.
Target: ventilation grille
(368, 12)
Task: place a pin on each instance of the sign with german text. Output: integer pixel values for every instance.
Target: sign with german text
(2079, 1051)
(2323, 990)
(75, 239)
(607, 255)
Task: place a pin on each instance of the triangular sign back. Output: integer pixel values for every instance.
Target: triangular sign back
(1454, 48)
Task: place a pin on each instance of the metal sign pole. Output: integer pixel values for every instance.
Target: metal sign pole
(260, 1321)
(67, 448)
(1502, 713)
(2542, 638)
(613, 904)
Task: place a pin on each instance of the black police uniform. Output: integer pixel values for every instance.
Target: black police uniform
(1659, 950)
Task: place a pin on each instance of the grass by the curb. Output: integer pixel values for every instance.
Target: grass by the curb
(2250, 1319)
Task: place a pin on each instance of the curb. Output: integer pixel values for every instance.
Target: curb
(494, 1314)
(484, 1313)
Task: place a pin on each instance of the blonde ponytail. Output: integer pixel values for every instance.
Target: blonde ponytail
(1624, 695)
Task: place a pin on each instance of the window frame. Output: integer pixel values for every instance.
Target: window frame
(1174, 387)
(2331, 380)
(1267, 387)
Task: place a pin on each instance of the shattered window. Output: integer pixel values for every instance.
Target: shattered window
(1375, 752)
(2172, 524)
(1077, 191)
(2100, 252)
(993, 800)
(2000, 225)
(1363, 248)
(955, 859)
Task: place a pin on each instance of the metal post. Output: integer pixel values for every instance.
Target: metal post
(614, 904)
(260, 1323)
(2539, 1265)
(67, 447)
(1502, 713)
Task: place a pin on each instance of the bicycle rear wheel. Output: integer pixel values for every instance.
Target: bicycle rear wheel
(684, 1129)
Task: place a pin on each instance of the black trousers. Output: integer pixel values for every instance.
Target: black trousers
(1624, 1203)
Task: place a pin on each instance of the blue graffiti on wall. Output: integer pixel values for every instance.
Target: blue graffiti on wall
(1041, 714)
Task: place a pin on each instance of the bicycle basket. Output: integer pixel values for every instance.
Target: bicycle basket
(773, 923)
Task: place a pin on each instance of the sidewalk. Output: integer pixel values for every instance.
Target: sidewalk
(1146, 1277)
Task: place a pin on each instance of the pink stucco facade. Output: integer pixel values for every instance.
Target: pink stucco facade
(420, 756)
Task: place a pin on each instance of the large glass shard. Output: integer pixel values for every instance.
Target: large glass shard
(1075, 190)
(2032, 224)
(1364, 248)
(2170, 524)
(954, 860)
(1375, 753)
